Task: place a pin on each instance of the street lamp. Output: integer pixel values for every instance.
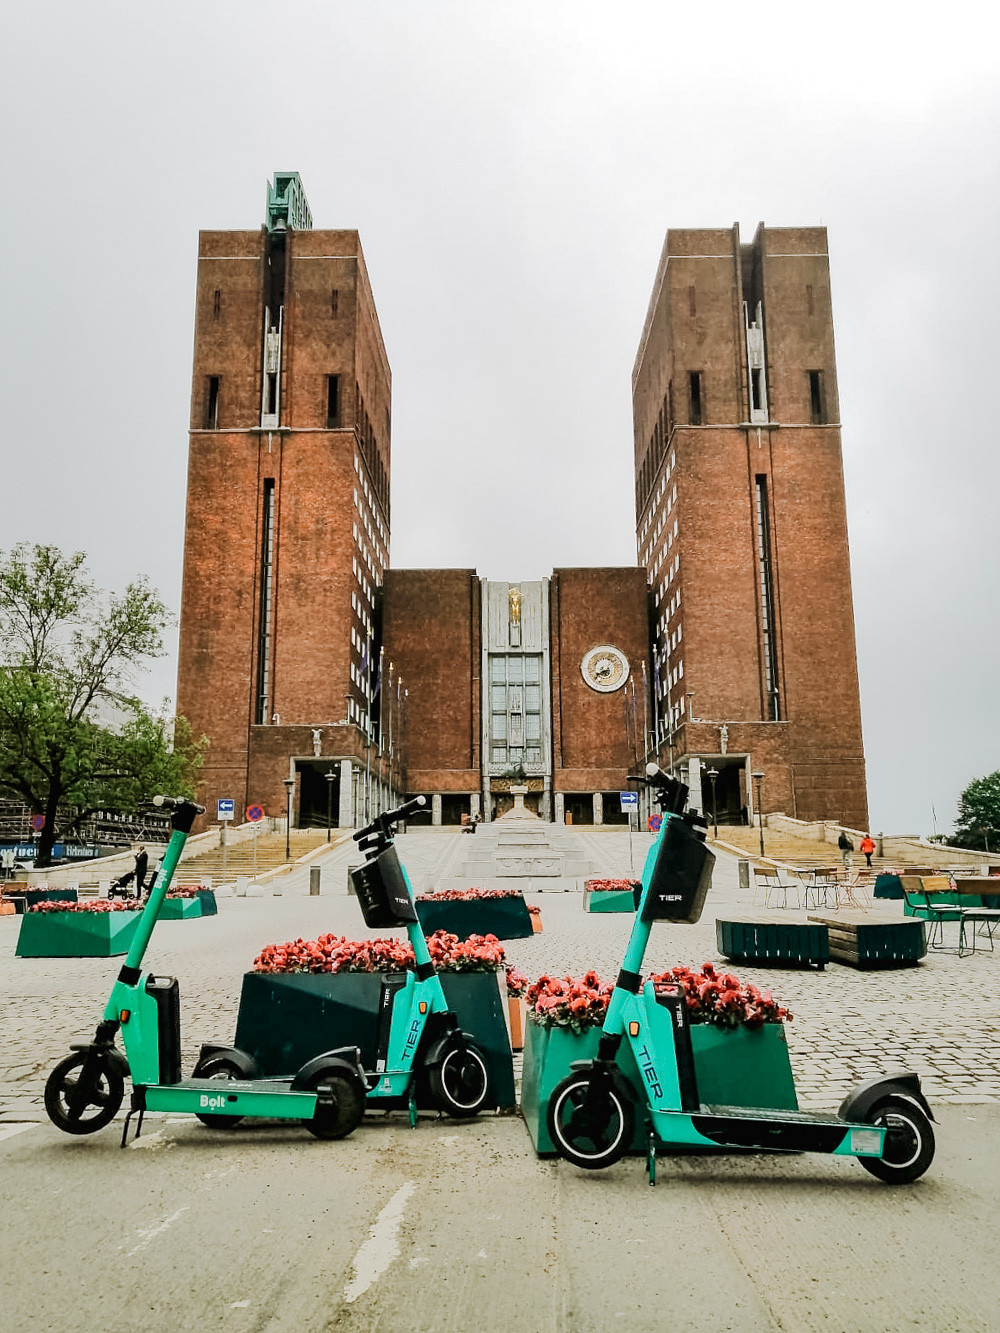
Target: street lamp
(713, 774)
(290, 788)
(329, 775)
(758, 778)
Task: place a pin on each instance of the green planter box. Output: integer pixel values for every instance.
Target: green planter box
(609, 900)
(183, 909)
(76, 934)
(506, 918)
(887, 886)
(763, 942)
(33, 896)
(744, 1067)
(286, 1019)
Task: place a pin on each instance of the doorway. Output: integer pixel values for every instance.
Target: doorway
(317, 795)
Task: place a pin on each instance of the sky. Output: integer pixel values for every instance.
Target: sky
(512, 169)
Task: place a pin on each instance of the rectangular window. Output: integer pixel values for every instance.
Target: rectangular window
(266, 608)
(817, 414)
(332, 401)
(755, 389)
(212, 403)
(334, 301)
(810, 305)
(773, 709)
(216, 303)
(272, 394)
(692, 302)
(694, 384)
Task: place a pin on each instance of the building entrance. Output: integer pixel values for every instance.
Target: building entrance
(731, 805)
(317, 795)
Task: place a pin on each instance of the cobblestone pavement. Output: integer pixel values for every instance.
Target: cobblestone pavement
(939, 1019)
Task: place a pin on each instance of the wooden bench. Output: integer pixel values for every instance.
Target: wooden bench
(861, 940)
(767, 941)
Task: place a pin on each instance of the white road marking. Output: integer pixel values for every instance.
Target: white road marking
(149, 1234)
(239, 1305)
(8, 1131)
(382, 1245)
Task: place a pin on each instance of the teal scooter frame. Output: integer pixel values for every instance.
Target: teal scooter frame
(884, 1122)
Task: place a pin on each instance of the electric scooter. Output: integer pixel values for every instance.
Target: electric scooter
(85, 1090)
(885, 1122)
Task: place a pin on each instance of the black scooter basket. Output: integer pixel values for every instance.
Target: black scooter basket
(681, 876)
(382, 892)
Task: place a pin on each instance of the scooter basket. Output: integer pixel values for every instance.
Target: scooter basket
(382, 892)
(681, 876)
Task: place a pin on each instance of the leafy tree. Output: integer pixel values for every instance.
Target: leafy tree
(69, 655)
(978, 824)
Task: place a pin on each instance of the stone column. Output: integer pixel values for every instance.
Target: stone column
(694, 784)
(545, 804)
(598, 807)
(560, 800)
(473, 804)
(436, 808)
(345, 815)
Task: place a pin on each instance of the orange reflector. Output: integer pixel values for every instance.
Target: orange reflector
(125, 1015)
(633, 1029)
(423, 1006)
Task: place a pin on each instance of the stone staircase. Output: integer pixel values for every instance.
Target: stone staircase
(520, 853)
(241, 861)
(787, 849)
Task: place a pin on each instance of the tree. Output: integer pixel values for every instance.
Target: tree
(978, 824)
(71, 731)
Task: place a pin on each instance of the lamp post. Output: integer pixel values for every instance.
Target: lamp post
(290, 788)
(758, 778)
(713, 774)
(329, 775)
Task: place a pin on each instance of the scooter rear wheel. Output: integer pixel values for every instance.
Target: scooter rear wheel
(82, 1104)
(222, 1070)
(909, 1142)
(341, 1109)
(590, 1130)
(460, 1083)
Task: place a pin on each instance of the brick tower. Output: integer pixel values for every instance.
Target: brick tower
(287, 529)
(741, 525)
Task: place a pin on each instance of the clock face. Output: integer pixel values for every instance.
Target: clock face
(605, 669)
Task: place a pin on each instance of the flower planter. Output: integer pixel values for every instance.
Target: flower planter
(608, 900)
(740, 1067)
(506, 918)
(287, 1018)
(76, 934)
(536, 923)
(33, 896)
(183, 909)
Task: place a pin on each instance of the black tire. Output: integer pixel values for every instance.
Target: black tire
(341, 1109)
(224, 1070)
(77, 1106)
(909, 1143)
(593, 1137)
(460, 1084)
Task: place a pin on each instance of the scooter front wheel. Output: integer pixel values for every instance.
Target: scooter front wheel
(83, 1093)
(222, 1070)
(909, 1142)
(460, 1083)
(340, 1108)
(591, 1128)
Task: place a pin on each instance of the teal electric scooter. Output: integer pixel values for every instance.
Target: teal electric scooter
(885, 1122)
(417, 1032)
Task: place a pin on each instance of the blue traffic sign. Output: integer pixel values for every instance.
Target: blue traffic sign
(629, 800)
(227, 808)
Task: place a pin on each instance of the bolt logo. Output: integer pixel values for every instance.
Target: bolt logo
(649, 1072)
(211, 1103)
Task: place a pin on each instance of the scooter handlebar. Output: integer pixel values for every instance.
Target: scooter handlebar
(175, 803)
(386, 820)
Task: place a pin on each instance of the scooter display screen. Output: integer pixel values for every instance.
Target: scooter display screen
(681, 876)
(382, 892)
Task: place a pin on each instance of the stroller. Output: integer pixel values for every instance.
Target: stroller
(122, 887)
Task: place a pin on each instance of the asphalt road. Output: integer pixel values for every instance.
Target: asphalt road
(452, 1227)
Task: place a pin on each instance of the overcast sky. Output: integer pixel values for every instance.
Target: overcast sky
(512, 169)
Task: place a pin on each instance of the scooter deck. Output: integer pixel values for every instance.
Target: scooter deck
(775, 1131)
(263, 1098)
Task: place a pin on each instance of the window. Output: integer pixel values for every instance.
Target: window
(264, 643)
(755, 389)
(216, 303)
(212, 403)
(773, 709)
(810, 304)
(332, 401)
(692, 302)
(515, 704)
(272, 394)
(334, 301)
(817, 412)
(694, 384)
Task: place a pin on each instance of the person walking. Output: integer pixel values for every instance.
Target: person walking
(141, 864)
(846, 850)
(866, 849)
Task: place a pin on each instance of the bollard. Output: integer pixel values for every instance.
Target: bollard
(314, 873)
(350, 882)
(744, 873)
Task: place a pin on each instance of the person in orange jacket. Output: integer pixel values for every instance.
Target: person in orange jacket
(867, 846)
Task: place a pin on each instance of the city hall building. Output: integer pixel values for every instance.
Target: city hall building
(324, 677)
